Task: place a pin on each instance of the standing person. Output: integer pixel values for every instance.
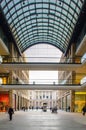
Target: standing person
(69, 108)
(24, 108)
(10, 112)
(84, 110)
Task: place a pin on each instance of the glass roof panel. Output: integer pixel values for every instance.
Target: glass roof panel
(41, 21)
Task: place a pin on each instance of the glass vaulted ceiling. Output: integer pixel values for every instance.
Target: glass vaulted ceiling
(41, 21)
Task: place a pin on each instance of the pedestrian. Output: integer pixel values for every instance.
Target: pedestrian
(69, 108)
(24, 108)
(10, 112)
(84, 110)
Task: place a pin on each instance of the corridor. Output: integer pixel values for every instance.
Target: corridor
(39, 120)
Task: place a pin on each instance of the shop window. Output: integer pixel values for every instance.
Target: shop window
(4, 102)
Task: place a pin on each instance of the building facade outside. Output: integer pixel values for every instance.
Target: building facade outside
(38, 97)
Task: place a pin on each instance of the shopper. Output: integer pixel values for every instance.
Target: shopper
(84, 110)
(10, 112)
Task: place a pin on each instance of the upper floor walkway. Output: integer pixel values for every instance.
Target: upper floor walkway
(78, 66)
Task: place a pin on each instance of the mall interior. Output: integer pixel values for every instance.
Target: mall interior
(59, 23)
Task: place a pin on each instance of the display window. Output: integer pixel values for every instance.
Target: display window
(80, 100)
(4, 102)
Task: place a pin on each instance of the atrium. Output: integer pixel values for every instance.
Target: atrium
(28, 23)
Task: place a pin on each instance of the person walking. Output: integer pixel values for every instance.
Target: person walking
(10, 112)
(84, 110)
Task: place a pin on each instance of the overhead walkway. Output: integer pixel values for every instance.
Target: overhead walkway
(44, 86)
(78, 67)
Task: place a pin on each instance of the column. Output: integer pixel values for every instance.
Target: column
(72, 101)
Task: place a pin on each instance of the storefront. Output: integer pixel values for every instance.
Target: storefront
(4, 101)
(80, 100)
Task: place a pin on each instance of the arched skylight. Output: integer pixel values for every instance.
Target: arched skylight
(41, 21)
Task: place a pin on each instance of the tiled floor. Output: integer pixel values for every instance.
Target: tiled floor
(39, 120)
